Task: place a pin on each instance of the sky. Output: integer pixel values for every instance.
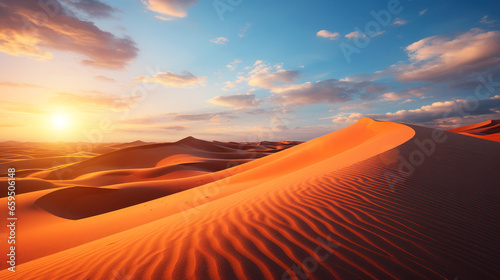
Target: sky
(239, 70)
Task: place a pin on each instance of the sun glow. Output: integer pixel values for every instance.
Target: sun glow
(60, 121)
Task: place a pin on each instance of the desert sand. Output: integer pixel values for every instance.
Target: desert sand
(489, 130)
(375, 200)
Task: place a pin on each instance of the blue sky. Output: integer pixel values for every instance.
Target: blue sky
(160, 70)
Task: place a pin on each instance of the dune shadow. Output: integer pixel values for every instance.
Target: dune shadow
(82, 202)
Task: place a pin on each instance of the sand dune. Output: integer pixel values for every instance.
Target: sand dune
(375, 200)
(489, 130)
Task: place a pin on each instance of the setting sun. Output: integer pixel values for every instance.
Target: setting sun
(60, 121)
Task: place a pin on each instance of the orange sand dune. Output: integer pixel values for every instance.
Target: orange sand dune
(375, 200)
(489, 130)
(146, 156)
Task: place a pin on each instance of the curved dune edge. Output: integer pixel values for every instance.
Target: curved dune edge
(353, 144)
(488, 130)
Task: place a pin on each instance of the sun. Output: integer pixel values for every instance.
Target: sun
(60, 121)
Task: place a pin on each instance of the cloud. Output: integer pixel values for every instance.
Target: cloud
(25, 33)
(363, 106)
(266, 76)
(438, 110)
(376, 88)
(406, 93)
(355, 34)
(421, 13)
(212, 117)
(391, 96)
(175, 127)
(93, 8)
(243, 31)
(21, 107)
(239, 100)
(231, 66)
(172, 8)
(485, 20)
(329, 91)
(220, 40)
(92, 102)
(19, 85)
(327, 34)
(169, 79)
(439, 58)
(279, 82)
(346, 118)
(437, 113)
(104, 78)
(399, 21)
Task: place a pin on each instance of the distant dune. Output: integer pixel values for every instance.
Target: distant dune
(489, 130)
(375, 200)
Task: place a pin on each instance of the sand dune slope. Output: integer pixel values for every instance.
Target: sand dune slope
(375, 201)
(489, 130)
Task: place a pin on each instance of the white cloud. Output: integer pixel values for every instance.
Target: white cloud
(421, 13)
(266, 76)
(231, 66)
(220, 40)
(327, 34)
(439, 58)
(437, 113)
(355, 34)
(346, 118)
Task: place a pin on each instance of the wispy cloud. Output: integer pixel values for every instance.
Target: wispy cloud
(231, 66)
(220, 40)
(21, 107)
(19, 85)
(247, 100)
(243, 31)
(355, 34)
(486, 20)
(104, 78)
(169, 79)
(399, 21)
(92, 102)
